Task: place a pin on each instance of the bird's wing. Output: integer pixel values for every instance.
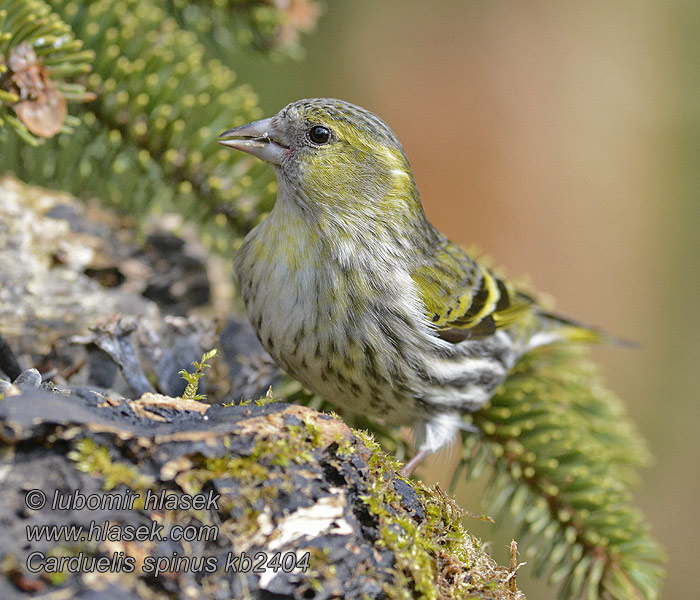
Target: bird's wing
(465, 300)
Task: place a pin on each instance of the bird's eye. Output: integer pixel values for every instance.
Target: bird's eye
(319, 134)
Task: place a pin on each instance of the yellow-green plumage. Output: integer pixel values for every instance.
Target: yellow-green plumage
(357, 295)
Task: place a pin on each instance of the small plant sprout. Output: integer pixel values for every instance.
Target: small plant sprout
(192, 379)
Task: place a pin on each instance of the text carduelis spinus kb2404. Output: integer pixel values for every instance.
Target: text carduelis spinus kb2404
(355, 294)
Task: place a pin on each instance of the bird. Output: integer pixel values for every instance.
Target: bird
(355, 294)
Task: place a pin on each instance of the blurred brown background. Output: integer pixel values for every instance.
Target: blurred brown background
(564, 140)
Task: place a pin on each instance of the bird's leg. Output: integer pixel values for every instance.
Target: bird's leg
(410, 466)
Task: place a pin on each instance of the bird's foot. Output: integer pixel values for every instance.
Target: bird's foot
(410, 466)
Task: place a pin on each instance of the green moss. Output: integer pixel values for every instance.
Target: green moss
(252, 473)
(436, 557)
(95, 459)
(268, 398)
(313, 433)
(320, 570)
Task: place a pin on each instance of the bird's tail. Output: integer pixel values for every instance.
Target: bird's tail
(574, 331)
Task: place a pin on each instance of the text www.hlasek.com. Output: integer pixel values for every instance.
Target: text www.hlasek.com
(111, 532)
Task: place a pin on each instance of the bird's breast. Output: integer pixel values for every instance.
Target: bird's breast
(346, 326)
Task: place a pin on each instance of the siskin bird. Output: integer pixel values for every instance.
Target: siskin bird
(355, 294)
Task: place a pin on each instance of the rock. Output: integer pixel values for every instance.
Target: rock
(274, 500)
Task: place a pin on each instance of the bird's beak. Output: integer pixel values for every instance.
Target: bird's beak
(259, 138)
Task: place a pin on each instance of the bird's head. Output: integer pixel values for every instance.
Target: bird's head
(332, 154)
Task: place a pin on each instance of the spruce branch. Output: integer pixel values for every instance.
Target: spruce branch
(269, 26)
(148, 143)
(564, 457)
(39, 59)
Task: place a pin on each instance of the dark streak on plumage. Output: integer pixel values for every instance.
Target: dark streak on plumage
(486, 379)
(370, 364)
(504, 297)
